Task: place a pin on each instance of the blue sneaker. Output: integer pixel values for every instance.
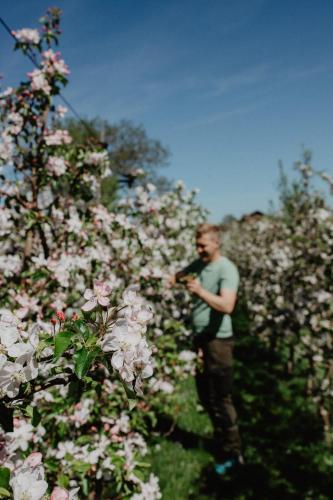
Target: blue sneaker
(221, 469)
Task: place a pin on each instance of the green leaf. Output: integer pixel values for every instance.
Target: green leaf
(91, 341)
(43, 344)
(6, 418)
(4, 493)
(131, 404)
(85, 486)
(80, 467)
(74, 391)
(36, 416)
(4, 477)
(82, 328)
(63, 481)
(28, 412)
(130, 396)
(62, 342)
(83, 360)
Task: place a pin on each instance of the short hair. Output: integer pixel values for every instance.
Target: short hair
(207, 228)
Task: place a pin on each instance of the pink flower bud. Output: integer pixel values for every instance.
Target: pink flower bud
(60, 316)
(59, 494)
(34, 459)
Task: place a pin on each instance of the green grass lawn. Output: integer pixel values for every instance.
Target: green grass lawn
(179, 458)
(283, 448)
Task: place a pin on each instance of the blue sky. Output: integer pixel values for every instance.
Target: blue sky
(230, 86)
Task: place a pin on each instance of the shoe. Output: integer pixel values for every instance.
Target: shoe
(222, 468)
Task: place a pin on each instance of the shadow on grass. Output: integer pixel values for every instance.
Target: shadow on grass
(289, 476)
(167, 428)
(247, 481)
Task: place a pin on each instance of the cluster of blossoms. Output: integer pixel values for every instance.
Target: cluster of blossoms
(18, 362)
(131, 353)
(123, 330)
(27, 35)
(27, 477)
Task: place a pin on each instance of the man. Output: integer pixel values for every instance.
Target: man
(213, 281)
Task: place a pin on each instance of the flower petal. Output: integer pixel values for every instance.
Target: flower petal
(103, 301)
(90, 305)
(117, 360)
(88, 294)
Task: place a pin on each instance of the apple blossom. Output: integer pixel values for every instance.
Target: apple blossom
(27, 35)
(57, 137)
(99, 295)
(56, 165)
(39, 81)
(27, 481)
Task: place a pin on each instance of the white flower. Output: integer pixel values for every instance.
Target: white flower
(53, 64)
(61, 111)
(15, 123)
(27, 35)
(39, 81)
(323, 214)
(96, 158)
(149, 490)
(12, 375)
(10, 265)
(122, 339)
(161, 385)
(34, 459)
(6, 148)
(56, 165)
(8, 91)
(59, 494)
(99, 295)
(324, 296)
(187, 356)
(57, 137)
(150, 187)
(28, 482)
(21, 435)
(8, 336)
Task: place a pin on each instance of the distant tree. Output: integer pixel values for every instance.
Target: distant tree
(129, 148)
(228, 219)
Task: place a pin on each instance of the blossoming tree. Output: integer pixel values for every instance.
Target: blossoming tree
(61, 342)
(286, 263)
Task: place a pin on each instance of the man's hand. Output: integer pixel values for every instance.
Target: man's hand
(171, 281)
(193, 286)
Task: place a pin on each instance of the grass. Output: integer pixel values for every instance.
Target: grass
(283, 447)
(179, 458)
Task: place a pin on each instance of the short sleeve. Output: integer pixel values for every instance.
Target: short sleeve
(229, 277)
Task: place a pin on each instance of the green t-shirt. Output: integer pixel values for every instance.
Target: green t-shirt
(213, 276)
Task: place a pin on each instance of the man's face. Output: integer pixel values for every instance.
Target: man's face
(207, 246)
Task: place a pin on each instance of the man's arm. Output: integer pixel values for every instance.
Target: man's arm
(224, 302)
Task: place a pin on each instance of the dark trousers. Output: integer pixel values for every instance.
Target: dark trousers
(214, 385)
